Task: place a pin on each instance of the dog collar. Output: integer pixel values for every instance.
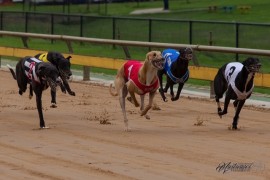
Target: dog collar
(43, 57)
(178, 80)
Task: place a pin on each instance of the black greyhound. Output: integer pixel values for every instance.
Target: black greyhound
(63, 66)
(176, 70)
(237, 79)
(40, 75)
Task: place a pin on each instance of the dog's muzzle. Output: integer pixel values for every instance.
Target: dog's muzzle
(159, 63)
(189, 57)
(254, 68)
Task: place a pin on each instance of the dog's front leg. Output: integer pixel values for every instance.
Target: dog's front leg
(166, 87)
(133, 99)
(72, 93)
(240, 104)
(38, 92)
(63, 89)
(151, 98)
(235, 104)
(226, 104)
(161, 90)
(180, 87)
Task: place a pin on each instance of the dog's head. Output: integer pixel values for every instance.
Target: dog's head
(186, 54)
(62, 63)
(252, 65)
(155, 59)
(49, 73)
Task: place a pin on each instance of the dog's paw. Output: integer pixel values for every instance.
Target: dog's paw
(144, 112)
(71, 93)
(44, 127)
(156, 107)
(53, 105)
(165, 99)
(220, 113)
(127, 129)
(131, 100)
(174, 98)
(147, 117)
(233, 128)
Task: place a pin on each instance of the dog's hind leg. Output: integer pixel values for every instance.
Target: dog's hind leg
(220, 86)
(122, 95)
(161, 90)
(226, 104)
(30, 92)
(219, 110)
(240, 104)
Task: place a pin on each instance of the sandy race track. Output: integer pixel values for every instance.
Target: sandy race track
(86, 139)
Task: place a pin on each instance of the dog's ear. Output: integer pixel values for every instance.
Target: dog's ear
(151, 55)
(68, 58)
(247, 61)
(186, 53)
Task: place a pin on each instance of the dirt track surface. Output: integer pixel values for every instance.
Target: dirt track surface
(168, 146)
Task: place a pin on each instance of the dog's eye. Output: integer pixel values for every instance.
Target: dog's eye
(154, 54)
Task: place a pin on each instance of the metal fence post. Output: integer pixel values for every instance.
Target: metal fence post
(237, 39)
(113, 30)
(190, 32)
(81, 28)
(150, 31)
(1, 23)
(26, 21)
(212, 91)
(86, 73)
(52, 26)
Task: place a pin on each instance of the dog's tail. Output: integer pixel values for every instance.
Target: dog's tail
(111, 92)
(12, 71)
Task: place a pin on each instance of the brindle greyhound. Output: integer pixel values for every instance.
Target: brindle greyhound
(237, 79)
(63, 66)
(40, 76)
